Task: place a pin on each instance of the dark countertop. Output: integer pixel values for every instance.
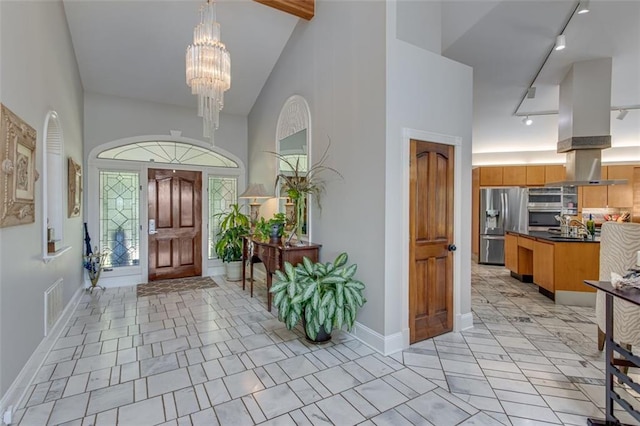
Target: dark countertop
(555, 238)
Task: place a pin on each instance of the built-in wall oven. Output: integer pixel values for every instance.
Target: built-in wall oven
(543, 206)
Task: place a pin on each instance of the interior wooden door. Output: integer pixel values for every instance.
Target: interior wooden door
(175, 207)
(431, 240)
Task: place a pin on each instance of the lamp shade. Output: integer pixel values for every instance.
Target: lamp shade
(255, 190)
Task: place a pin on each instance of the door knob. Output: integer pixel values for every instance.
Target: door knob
(451, 247)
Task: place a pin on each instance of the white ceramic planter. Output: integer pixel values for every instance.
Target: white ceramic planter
(234, 270)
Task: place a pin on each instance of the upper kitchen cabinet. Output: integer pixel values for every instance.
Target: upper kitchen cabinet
(593, 196)
(554, 173)
(620, 195)
(541, 175)
(491, 176)
(612, 195)
(535, 175)
(520, 175)
(514, 176)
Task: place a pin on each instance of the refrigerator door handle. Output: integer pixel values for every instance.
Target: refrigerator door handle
(492, 237)
(505, 209)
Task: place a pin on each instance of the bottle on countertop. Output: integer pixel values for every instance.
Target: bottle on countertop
(591, 226)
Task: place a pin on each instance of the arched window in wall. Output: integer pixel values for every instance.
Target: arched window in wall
(53, 184)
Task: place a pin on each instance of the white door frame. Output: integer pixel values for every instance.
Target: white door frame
(460, 322)
(131, 275)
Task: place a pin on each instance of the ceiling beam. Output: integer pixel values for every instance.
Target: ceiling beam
(304, 9)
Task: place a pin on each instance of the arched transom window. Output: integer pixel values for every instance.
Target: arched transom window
(168, 152)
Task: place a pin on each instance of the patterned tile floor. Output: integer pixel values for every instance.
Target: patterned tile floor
(216, 356)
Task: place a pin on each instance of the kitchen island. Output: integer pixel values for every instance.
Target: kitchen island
(557, 265)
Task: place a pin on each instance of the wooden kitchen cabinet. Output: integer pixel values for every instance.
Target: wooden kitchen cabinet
(535, 175)
(554, 173)
(593, 196)
(554, 266)
(543, 265)
(620, 195)
(511, 252)
(612, 195)
(491, 176)
(525, 255)
(514, 175)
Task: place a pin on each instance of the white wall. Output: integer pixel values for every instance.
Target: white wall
(336, 62)
(109, 118)
(425, 92)
(353, 88)
(38, 73)
(420, 23)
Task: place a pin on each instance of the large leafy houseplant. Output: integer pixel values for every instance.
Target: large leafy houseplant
(324, 295)
(233, 226)
(300, 182)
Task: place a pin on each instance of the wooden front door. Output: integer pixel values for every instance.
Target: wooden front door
(431, 239)
(175, 201)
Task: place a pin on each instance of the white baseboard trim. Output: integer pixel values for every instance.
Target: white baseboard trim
(16, 392)
(213, 271)
(386, 345)
(463, 322)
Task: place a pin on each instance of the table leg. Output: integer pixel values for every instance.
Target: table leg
(251, 275)
(244, 272)
(269, 279)
(244, 261)
(609, 416)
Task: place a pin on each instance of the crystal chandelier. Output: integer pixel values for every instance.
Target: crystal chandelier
(208, 68)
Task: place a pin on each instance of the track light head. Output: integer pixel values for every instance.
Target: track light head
(583, 7)
(531, 92)
(527, 121)
(561, 42)
(622, 114)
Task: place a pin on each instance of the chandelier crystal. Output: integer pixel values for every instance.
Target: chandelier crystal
(208, 66)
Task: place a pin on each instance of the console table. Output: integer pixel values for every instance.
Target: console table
(631, 295)
(273, 255)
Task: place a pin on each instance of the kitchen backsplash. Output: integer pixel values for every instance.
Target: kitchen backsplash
(601, 215)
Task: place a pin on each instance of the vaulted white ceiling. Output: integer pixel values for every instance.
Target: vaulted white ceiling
(136, 49)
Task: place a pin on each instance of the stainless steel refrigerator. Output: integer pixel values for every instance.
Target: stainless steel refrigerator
(501, 209)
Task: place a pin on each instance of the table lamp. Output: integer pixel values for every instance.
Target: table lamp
(255, 191)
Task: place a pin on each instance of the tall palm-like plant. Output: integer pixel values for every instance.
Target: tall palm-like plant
(299, 183)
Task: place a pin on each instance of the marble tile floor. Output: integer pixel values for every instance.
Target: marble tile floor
(216, 356)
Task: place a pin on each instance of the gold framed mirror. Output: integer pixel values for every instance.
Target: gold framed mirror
(74, 196)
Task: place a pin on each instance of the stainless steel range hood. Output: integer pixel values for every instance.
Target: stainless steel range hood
(584, 158)
(584, 119)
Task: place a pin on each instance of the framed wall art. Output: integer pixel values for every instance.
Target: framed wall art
(74, 197)
(18, 173)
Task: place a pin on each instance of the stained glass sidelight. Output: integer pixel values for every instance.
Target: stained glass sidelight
(119, 218)
(222, 193)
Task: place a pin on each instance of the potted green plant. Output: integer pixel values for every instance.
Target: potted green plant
(272, 229)
(234, 225)
(322, 295)
(301, 182)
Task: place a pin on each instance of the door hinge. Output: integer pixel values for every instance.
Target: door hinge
(140, 187)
